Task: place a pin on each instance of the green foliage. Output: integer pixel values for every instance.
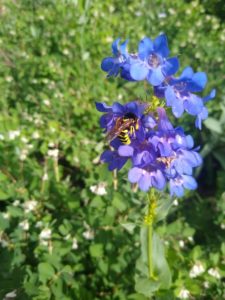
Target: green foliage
(59, 238)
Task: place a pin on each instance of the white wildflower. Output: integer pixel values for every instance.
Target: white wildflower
(206, 284)
(30, 205)
(53, 153)
(13, 134)
(175, 202)
(184, 294)
(85, 56)
(46, 102)
(11, 295)
(190, 238)
(16, 203)
(196, 270)
(75, 244)
(99, 189)
(2, 137)
(35, 135)
(45, 177)
(109, 39)
(181, 243)
(9, 78)
(5, 215)
(88, 234)
(24, 139)
(24, 225)
(222, 226)
(214, 272)
(66, 52)
(45, 234)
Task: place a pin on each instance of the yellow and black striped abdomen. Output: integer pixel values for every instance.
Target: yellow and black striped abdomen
(124, 137)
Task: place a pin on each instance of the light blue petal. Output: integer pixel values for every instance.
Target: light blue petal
(138, 71)
(125, 150)
(177, 108)
(134, 175)
(170, 96)
(145, 182)
(155, 77)
(193, 105)
(189, 182)
(211, 95)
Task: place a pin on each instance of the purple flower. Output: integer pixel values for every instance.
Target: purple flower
(179, 183)
(152, 62)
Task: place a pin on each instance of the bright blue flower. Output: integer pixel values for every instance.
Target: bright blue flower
(178, 93)
(118, 63)
(152, 62)
(179, 183)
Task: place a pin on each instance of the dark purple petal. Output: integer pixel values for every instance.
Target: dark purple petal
(102, 107)
(118, 108)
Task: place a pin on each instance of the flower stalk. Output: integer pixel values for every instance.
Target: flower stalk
(149, 221)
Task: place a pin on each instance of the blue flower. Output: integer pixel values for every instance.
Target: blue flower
(179, 94)
(179, 183)
(113, 65)
(152, 62)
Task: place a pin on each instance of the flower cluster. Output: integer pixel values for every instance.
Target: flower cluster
(158, 152)
(151, 63)
(141, 132)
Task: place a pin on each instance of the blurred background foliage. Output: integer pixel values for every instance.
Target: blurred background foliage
(64, 228)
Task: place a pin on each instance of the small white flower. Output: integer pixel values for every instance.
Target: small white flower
(184, 294)
(4, 243)
(109, 39)
(214, 272)
(24, 225)
(30, 205)
(175, 202)
(5, 215)
(2, 137)
(23, 154)
(53, 153)
(45, 234)
(16, 203)
(24, 139)
(86, 56)
(35, 135)
(99, 189)
(75, 244)
(196, 270)
(89, 234)
(181, 243)
(190, 238)
(45, 177)
(11, 295)
(206, 284)
(9, 79)
(222, 226)
(13, 134)
(66, 52)
(46, 102)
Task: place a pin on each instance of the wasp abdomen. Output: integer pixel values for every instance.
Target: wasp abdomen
(124, 137)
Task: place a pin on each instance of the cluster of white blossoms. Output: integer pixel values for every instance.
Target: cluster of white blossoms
(184, 294)
(196, 270)
(99, 189)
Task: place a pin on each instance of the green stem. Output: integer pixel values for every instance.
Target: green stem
(150, 264)
(150, 221)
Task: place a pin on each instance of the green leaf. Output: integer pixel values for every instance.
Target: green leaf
(46, 271)
(213, 125)
(96, 250)
(129, 227)
(146, 286)
(163, 207)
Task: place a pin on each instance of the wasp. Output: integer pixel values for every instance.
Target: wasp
(124, 128)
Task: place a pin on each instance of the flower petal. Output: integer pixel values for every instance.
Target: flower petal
(170, 66)
(145, 182)
(107, 64)
(125, 150)
(134, 175)
(156, 77)
(102, 107)
(145, 48)
(138, 71)
(161, 45)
